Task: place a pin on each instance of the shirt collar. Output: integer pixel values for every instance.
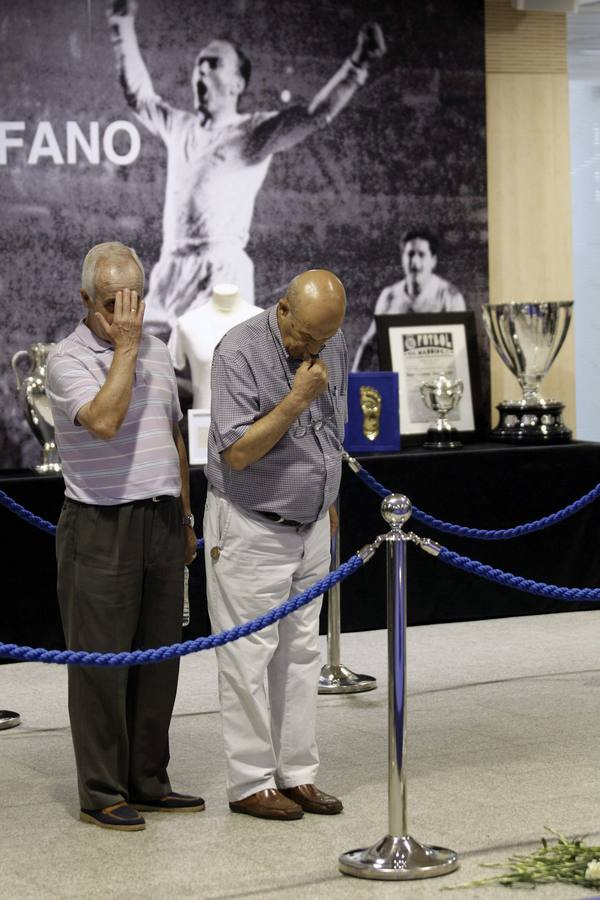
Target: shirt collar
(91, 340)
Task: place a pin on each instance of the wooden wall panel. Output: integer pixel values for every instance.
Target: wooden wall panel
(529, 197)
(524, 42)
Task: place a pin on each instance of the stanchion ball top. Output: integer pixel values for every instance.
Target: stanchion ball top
(396, 509)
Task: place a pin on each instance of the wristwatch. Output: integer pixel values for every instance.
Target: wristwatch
(188, 520)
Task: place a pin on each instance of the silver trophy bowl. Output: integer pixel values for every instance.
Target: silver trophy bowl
(31, 387)
(528, 337)
(441, 395)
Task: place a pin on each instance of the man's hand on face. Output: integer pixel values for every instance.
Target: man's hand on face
(125, 330)
(310, 380)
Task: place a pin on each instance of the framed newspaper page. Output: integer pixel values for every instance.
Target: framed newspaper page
(198, 426)
(421, 347)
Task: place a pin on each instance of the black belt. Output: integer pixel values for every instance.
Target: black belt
(159, 498)
(273, 517)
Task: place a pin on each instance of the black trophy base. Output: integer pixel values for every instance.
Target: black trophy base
(539, 423)
(442, 439)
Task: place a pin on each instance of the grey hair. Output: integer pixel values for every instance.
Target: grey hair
(97, 255)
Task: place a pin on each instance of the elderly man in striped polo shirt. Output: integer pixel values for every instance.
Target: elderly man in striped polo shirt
(274, 468)
(124, 534)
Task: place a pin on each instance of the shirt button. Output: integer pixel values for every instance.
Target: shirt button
(215, 553)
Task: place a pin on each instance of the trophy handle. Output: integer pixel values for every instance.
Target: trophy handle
(496, 338)
(19, 355)
(562, 337)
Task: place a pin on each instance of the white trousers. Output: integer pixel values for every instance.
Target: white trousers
(253, 565)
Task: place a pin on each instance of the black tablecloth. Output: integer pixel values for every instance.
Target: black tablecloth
(485, 486)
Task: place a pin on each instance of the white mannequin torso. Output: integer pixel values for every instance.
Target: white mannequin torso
(197, 333)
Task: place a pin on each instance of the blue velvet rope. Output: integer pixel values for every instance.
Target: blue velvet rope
(482, 533)
(37, 521)
(27, 516)
(160, 654)
(571, 595)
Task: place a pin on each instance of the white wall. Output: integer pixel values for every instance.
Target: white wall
(584, 99)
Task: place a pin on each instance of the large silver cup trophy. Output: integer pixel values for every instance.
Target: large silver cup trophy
(528, 337)
(441, 395)
(32, 394)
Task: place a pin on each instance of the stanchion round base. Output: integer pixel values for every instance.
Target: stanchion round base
(340, 680)
(398, 858)
(9, 719)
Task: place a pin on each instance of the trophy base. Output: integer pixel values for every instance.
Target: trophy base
(442, 439)
(533, 423)
(48, 469)
(50, 464)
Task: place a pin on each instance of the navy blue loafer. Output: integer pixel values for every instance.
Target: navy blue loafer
(119, 817)
(170, 803)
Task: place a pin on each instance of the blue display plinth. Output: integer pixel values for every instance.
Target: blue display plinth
(361, 409)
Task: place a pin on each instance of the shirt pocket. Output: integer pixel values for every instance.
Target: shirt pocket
(338, 397)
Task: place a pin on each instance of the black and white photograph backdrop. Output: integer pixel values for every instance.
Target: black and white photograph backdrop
(238, 141)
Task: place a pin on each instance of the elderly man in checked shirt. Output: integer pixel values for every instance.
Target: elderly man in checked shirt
(274, 467)
(124, 534)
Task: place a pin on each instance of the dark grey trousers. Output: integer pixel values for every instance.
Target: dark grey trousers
(120, 587)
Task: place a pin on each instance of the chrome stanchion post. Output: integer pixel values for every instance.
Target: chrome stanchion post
(9, 719)
(397, 856)
(336, 678)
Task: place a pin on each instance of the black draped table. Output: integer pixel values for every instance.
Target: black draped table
(484, 486)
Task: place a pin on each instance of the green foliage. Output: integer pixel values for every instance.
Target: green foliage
(569, 861)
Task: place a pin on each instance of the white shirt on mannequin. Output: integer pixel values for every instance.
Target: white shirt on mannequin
(196, 334)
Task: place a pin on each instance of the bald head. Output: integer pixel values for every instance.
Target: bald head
(311, 312)
(317, 292)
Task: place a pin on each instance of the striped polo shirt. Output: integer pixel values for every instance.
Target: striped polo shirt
(141, 461)
(299, 477)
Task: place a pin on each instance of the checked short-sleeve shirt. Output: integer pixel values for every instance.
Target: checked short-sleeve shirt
(251, 373)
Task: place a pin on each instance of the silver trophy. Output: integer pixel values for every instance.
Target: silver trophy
(528, 337)
(32, 394)
(441, 395)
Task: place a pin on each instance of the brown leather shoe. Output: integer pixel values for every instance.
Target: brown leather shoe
(267, 804)
(312, 800)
